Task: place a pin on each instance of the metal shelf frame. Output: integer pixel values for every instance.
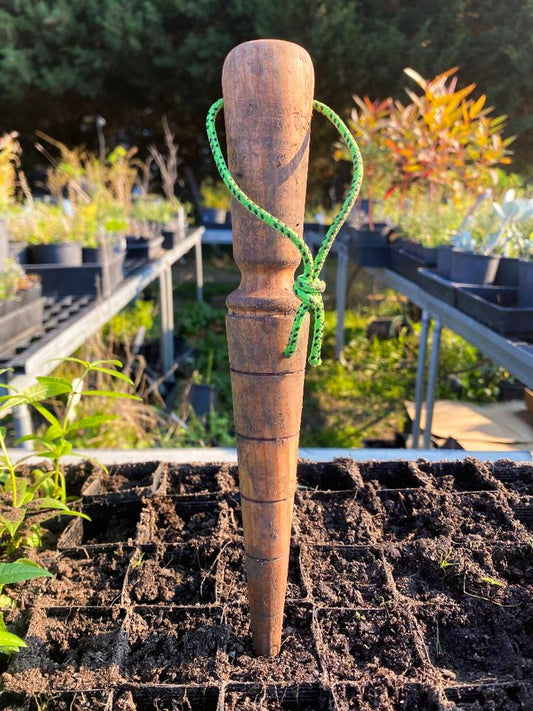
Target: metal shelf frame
(516, 356)
(43, 360)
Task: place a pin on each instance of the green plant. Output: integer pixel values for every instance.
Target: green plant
(445, 560)
(16, 572)
(167, 164)
(368, 122)
(154, 209)
(445, 140)
(9, 160)
(214, 194)
(13, 280)
(30, 500)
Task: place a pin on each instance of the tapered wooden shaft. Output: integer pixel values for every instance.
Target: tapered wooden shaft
(268, 100)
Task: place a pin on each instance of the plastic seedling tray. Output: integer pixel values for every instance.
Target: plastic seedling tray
(408, 263)
(141, 247)
(59, 281)
(495, 307)
(22, 317)
(385, 578)
(127, 482)
(366, 248)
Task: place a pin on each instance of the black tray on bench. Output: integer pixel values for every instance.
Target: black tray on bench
(495, 306)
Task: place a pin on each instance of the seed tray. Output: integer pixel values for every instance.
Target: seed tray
(365, 638)
(142, 248)
(158, 697)
(438, 286)
(366, 248)
(185, 480)
(84, 577)
(71, 649)
(125, 482)
(213, 643)
(384, 579)
(350, 575)
(510, 696)
(96, 279)
(179, 574)
(109, 523)
(21, 323)
(496, 308)
(296, 697)
(407, 263)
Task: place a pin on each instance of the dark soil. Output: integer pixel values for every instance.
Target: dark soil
(410, 589)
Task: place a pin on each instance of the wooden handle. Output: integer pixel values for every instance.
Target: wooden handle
(268, 101)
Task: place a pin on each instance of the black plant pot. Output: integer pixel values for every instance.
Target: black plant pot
(202, 399)
(18, 252)
(213, 217)
(143, 247)
(368, 248)
(98, 255)
(508, 272)
(61, 280)
(470, 268)
(408, 257)
(444, 260)
(525, 283)
(64, 253)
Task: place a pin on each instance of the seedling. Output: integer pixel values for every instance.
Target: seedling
(445, 561)
(492, 581)
(41, 495)
(10, 573)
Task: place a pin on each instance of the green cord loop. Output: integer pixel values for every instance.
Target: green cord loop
(308, 286)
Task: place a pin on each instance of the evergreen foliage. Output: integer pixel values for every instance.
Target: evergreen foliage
(62, 62)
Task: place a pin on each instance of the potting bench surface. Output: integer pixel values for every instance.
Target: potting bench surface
(324, 454)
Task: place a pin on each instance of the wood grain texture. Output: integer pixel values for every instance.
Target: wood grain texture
(268, 101)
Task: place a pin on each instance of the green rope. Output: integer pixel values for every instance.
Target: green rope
(308, 286)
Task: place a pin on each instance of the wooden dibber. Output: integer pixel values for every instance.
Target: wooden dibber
(268, 101)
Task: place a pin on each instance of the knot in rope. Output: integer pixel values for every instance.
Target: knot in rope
(309, 289)
(307, 286)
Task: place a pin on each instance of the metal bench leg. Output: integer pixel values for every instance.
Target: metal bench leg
(199, 271)
(419, 387)
(167, 319)
(432, 381)
(23, 424)
(342, 275)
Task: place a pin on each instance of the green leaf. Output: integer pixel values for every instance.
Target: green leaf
(12, 525)
(55, 449)
(52, 419)
(111, 394)
(7, 602)
(26, 438)
(113, 374)
(71, 359)
(108, 361)
(10, 643)
(92, 421)
(54, 380)
(20, 570)
(48, 502)
(35, 394)
(55, 431)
